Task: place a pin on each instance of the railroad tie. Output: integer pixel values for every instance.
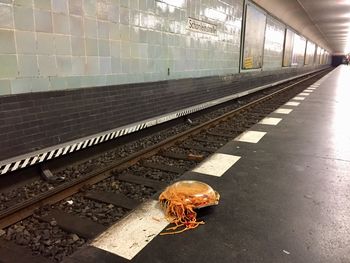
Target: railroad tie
(163, 167)
(157, 185)
(11, 252)
(182, 156)
(116, 199)
(198, 148)
(83, 227)
(209, 140)
(220, 135)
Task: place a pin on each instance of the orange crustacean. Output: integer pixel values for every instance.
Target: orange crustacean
(181, 198)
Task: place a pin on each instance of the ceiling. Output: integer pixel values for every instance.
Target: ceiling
(325, 22)
(332, 18)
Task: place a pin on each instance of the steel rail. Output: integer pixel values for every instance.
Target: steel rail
(25, 209)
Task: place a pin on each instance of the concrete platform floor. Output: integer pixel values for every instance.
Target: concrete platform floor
(287, 199)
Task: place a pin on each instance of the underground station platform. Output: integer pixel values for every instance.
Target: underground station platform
(284, 187)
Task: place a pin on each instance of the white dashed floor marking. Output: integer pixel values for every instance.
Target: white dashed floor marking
(217, 164)
(304, 94)
(270, 121)
(131, 234)
(298, 98)
(292, 103)
(283, 111)
(312, 88)
(250, 136)
(308, 90)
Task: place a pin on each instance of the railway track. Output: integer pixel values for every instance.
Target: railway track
(84, 207)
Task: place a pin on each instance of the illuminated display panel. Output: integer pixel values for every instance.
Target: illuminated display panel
(298, 53)
(274, 37)
(318, 56)
(323, 56)
(310, 53)
(288, 48)
(254, 38)
(273, 47)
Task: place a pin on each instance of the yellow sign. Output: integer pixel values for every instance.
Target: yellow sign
(248, 63)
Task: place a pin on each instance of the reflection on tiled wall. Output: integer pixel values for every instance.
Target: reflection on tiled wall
(273, 48)
(61, 44)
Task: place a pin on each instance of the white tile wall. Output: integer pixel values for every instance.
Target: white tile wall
(61, 44)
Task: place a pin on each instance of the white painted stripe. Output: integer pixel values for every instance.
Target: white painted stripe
(73, 147)
(79, 146)
(298, 98)
(85, 144)
(270, 121)
(42, 157)
(25, 163)
(96, 140)
(217, 164)
(66, 149)
(34, 160)
(131, 234)
(283, 111)
(59, 152)
(304, 94)
(292, 103)
(312, 88)
(6, 168)
(112, 135)
(250, 136)
(91, 141)
(15, 167)
(50, 155)
(308, 90)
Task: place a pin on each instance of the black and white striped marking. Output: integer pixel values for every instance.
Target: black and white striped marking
(33, 158)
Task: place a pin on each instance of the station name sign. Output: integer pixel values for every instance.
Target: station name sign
(201, 26)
